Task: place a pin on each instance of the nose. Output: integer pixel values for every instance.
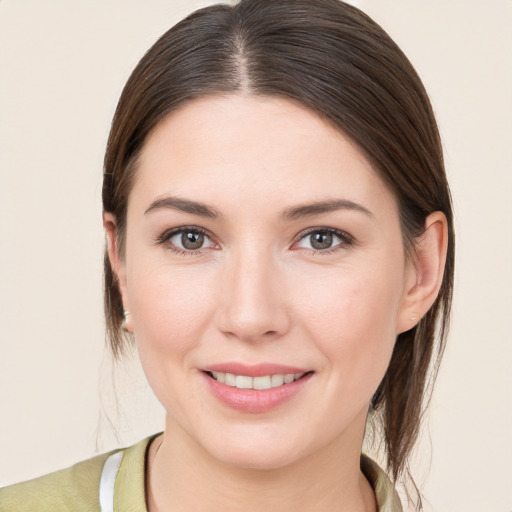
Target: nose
(253, 304)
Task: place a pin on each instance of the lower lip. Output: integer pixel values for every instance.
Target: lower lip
(255, 400)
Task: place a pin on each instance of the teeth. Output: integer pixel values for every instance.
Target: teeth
(289, 378)
(245, 382)
(221, 377)
(262, 382)
(276, 380)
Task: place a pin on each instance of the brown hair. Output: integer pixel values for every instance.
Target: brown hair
(335, 60)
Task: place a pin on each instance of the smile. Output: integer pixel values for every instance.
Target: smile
(259, 383)
(257, 388)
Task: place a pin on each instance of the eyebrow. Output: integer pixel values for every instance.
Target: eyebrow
(183, 205)
(311, 209)
(292, 213)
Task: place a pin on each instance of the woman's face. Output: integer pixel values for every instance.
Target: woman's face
(261, 244)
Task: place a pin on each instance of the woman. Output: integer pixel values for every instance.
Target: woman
(280, 248)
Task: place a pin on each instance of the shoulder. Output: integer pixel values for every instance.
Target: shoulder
(77, 487)
(385, 494)
(74, 488)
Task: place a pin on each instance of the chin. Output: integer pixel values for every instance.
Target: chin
(260, 448)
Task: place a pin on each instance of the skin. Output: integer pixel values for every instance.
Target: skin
(257, 291)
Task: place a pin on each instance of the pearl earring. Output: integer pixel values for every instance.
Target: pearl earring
(124, 325)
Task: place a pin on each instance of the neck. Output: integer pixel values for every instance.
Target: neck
(181, 476)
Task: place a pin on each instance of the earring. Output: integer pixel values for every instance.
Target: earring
(124, 325)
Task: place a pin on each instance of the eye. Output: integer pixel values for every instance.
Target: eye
(324, 240)
(187, 240)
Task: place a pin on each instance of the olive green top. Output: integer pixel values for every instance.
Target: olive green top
(76, 488)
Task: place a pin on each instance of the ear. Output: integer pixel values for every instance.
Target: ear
(117, 263)
(424, 273)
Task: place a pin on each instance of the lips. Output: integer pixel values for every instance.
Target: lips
(255, 389)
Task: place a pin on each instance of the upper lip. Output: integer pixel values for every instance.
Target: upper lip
(254, 370)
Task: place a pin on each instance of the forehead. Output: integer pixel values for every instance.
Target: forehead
(236, 149)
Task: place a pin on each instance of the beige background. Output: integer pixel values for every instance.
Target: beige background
(62, 67)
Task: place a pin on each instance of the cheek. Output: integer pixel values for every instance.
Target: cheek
(169, 322)
(353, 321)
(167, 315)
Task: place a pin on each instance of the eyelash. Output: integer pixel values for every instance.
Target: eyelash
(346, 240)
(164, 239)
